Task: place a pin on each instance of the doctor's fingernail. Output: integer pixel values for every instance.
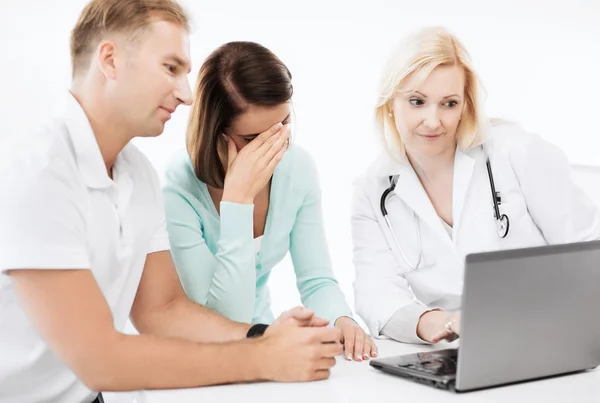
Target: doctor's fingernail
(349, 357)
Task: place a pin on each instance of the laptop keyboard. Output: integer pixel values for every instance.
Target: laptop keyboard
(434, 363)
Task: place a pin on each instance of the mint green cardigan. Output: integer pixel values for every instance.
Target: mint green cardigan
(216, 258)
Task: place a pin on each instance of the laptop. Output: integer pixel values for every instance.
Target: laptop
(526, 314)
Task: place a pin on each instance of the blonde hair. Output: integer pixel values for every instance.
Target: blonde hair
(102, 17)
(417, 56)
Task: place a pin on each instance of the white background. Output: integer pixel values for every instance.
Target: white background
(538, 59)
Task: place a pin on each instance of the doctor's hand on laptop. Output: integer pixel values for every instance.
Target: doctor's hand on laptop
(437, 325)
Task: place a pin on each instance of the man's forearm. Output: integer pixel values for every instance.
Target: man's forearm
(153, 362)
(187, 320)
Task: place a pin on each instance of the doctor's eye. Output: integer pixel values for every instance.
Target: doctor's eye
(416, 102)
(172, 69)
(450, 104)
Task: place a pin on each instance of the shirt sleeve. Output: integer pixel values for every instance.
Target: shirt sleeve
(382, 296)
(319, 290)
(402, 326)
(224, 281)
(42, 216)
(160, 238)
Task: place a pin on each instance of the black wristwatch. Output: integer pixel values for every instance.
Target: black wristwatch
(256, 330)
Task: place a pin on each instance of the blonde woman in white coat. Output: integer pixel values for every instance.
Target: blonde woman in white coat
(409, 264)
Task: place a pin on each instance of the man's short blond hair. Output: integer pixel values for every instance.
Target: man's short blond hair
(101, 18)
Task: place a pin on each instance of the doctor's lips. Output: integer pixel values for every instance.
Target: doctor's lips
(430, 135)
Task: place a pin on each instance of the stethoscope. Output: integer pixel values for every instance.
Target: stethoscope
(502, 221)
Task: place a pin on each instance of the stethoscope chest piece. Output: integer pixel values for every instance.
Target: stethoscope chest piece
(502, 221)
(502, 226)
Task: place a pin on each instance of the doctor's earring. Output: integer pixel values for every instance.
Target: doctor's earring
(390, 114)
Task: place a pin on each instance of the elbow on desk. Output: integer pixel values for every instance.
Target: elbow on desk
(100, 368)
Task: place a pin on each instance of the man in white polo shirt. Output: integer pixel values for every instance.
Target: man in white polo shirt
(83, 244)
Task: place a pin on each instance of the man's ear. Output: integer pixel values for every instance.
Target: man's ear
(106, 59)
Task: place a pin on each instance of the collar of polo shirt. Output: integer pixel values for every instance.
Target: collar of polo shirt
(89, 159)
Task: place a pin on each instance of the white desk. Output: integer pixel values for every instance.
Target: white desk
(358, 382)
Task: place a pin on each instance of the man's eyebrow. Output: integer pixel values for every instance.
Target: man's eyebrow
(180, 62)
(256, 134)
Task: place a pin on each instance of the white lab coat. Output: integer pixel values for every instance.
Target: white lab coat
(538, 194)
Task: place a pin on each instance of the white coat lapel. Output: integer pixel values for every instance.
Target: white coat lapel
(464, 166)
(411, 191)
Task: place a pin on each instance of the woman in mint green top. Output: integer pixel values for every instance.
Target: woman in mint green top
(213, 253)
(240, 197)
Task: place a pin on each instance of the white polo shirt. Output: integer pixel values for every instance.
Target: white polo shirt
(60, 210)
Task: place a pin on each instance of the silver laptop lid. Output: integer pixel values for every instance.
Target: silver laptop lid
(529, 313)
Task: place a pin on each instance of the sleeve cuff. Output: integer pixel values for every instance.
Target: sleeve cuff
(44, 258)
(159, 245)
(402, 326)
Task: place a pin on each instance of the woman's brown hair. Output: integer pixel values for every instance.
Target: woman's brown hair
(234, 76)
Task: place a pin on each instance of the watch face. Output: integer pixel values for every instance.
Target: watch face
(257, 330)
